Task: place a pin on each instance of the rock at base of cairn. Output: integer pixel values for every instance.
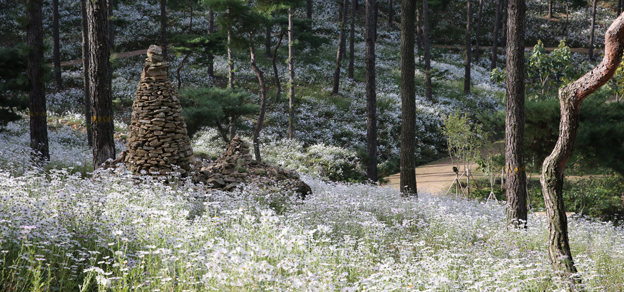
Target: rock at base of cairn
(235, 166)
(158, 142)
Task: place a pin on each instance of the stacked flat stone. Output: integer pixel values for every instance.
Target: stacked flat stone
(158, 138)
(236, 166)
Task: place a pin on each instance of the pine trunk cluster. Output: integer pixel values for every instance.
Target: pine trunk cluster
(371, 95)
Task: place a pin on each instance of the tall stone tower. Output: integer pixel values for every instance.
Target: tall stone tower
(158, 138)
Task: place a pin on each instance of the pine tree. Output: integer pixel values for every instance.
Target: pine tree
(408, 102)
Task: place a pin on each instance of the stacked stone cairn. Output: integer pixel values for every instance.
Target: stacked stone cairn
(158, 140)
(236, 166)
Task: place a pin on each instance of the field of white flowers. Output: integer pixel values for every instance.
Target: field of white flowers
(65, 229)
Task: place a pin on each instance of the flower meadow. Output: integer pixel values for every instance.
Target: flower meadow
(60, 231)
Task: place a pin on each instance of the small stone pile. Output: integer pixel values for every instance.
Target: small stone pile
(158, 138)
(236, 166)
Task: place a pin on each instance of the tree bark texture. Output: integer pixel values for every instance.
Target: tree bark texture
(570, 99)
(36, 93)
(408, 102)
(514, 119)
(100, 83)
(267, 41)
(591, 34)
(478, 31)
(277, 80)
(163, 27)
(428, 91)
(56, 54)
(291, 75)
(85, 71)
(309, 9)
(468, 47)
(371, 95)
(339, 52)
(497, 25)
(263, 102)
(352, 41)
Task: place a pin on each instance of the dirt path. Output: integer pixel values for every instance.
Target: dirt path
(435, 177)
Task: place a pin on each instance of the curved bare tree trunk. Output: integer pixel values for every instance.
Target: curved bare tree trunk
(211, 30)
(408, 102)
(291, 74)
(273, 59)
(263, 102)
(230, 60)
(570, 99)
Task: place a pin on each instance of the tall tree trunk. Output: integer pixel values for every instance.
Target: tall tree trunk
(230, 60)
(352, 40)
(309, 9)
(211, 30)
(263, 102)
(267, 41)
(468, 47)
(357, 5)
(408, 102)
(390, 13)
(478, 32)
(85, 71)
(550, 15)
(419, 33)
(291, 75)
(339, 53)
(55, 39)
(277, 80)
(111, 28)
(497, 25)
(514, 121)
(570, 99)
(371, 95)
(163, 27)
(375, 18)
(36, 93)
(428, 92)
(345, 16)
(180, 68)
(100, 83)
(591, 34)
